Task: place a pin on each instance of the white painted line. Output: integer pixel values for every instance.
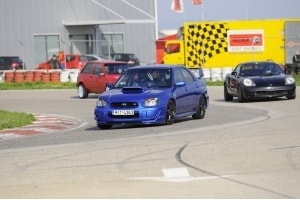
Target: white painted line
(175, 172)
(178, 175)
(44, 130)
(179, 179)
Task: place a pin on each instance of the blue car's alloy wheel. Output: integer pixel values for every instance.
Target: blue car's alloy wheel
(200, 110)
(170, 114)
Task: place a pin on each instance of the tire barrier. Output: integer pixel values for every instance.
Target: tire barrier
(45, 77)
(216, 74)
(206, 73)
(9, 76)
(54, 76)
(2, 77)
(64, 76)
(37, 76)
(74, 75)
(19, 76)
(29, 76)
(225, 71)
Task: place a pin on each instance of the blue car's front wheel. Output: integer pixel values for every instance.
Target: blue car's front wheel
(105, 126)
(170, 113)
(200, 109)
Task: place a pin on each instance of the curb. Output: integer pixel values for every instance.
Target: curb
(44, 124)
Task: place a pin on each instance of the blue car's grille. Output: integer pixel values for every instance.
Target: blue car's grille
(124, 105)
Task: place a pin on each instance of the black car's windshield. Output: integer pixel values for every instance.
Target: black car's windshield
(260, 69)
(115, 68)
(145, 78)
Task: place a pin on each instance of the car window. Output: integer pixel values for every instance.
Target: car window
(17, 59)
(87, 69)
(115, 68)
(69, 58)
(97, 69)
(83, 58)
(145, 78)
(271, 69)
(117, 57)
(178, 76)
(188, 77)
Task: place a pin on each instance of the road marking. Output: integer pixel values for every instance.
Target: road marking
(178, 175)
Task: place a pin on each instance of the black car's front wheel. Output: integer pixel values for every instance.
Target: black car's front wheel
(227, 96)
(293, 96)
(240, 95)
(170, 113)
(201, 109)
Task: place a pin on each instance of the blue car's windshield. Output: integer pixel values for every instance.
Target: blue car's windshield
(145, 78)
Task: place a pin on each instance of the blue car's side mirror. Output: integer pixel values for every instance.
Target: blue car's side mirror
(201, 73)
(180, 84)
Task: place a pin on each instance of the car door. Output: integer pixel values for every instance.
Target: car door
(232, 82)
(192, 88)
(85, 76)
(98, 78)
(181, 92)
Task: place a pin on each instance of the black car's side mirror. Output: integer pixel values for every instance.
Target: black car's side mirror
(234, 73)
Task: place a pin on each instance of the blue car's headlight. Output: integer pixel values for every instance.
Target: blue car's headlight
(289, 81)
(150, 102)
(248, 82)
(101, 103)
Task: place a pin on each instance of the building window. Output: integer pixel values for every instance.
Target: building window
(112, 43)
(45, 46)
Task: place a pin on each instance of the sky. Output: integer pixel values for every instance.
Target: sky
(212, 10)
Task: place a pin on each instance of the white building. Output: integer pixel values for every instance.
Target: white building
(37, 29)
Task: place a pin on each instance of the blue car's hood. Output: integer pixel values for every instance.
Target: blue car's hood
(131, 93)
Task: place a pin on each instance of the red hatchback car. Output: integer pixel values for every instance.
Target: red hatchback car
(74, 61)
(95, 76)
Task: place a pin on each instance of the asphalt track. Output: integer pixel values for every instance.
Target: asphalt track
(248, 150)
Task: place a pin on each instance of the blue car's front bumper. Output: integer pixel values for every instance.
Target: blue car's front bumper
(151, 115)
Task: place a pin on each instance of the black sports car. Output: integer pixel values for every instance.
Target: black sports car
(252, 80)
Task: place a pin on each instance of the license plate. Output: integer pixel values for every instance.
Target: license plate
(123, 112)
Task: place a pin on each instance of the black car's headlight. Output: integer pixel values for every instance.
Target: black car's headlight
(101, 103)
(248, 82)
(289, 81)
(150, 102)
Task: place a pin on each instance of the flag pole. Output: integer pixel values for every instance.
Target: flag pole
(202, 11)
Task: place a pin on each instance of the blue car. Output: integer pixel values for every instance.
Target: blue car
(152, 94)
